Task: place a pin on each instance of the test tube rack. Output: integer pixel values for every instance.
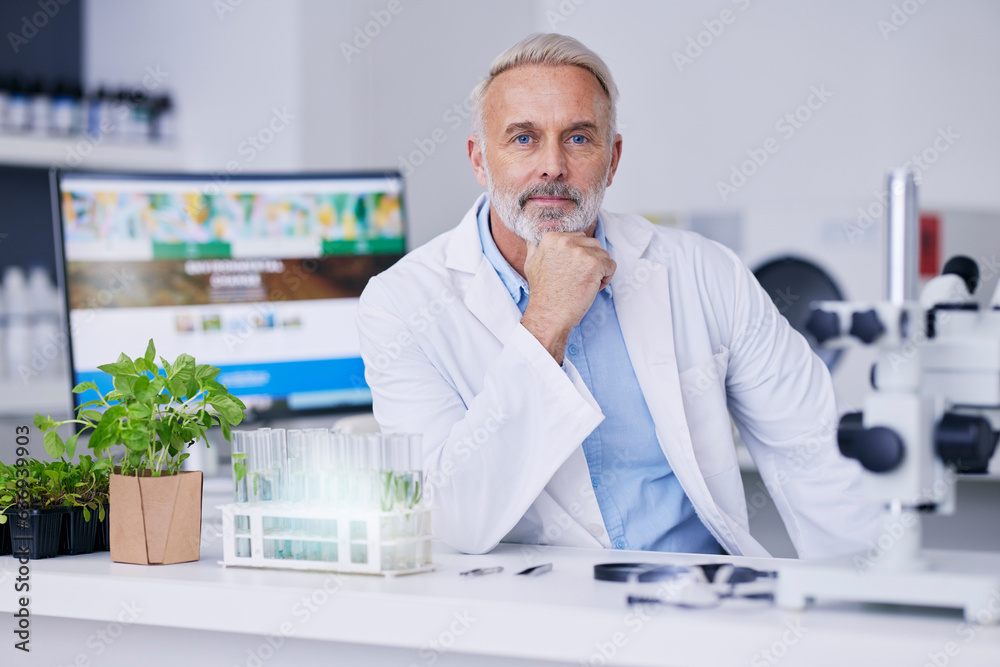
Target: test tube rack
(349, 541)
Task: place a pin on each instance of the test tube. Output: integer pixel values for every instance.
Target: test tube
(295, 470)
(296, 463)
(416, 455)
(255, 466)
(241, 522)
(239, 458)
(279, 461)
(317, 460)
(338, 474)
(416, 523)
(373, 445)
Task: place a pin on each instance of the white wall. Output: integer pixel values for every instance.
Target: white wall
(228, 72)
(403, 89)
(683, 130)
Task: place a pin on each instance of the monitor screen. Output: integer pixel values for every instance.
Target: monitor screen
(258, 275)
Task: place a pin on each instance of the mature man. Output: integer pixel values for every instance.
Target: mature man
(571, 368)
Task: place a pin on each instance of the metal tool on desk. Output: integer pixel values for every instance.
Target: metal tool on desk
(934, 412)
(480, 571)
(688, 586)
(537, 570)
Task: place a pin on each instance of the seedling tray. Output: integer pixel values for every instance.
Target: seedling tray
(102, 539)
(78, 534)
(37, 535)
(5, 537)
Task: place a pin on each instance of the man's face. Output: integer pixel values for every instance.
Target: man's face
(545, 156)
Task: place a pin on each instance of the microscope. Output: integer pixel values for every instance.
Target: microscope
(933, 412)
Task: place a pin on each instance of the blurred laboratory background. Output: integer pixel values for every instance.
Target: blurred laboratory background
(768, 126)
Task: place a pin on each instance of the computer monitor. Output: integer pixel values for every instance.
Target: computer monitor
(258, 275)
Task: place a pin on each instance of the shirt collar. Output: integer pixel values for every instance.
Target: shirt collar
(512, 280)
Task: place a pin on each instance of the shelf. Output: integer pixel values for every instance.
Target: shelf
(86, 153)
(992, 473)
(43, 395)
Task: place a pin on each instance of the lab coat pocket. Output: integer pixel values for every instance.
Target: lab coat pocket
(703, 392)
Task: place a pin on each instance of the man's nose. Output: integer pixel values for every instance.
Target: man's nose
(552, 161)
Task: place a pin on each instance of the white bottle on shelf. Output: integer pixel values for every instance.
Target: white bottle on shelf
(48, 346)
(16, 118)
(3, 338)
(39, 110)
(15, 292)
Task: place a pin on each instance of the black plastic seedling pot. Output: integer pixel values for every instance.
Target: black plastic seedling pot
(77, 533)
(103, 538)
(35, 533)
(5, 536)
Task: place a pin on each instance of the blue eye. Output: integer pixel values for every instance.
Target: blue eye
(522, 139)
(578, 139)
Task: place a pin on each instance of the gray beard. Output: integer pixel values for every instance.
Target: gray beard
(509, 206)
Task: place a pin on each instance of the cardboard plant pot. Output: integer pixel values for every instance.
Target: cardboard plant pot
(156, 520)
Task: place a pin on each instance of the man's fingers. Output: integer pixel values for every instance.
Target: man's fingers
(532, 249)
(609, 271)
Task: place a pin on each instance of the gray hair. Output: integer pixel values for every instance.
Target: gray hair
(547, 49)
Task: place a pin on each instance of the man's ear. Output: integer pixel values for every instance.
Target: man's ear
(616, 155)
(476, 159)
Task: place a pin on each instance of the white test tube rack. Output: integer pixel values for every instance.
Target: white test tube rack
(361, 547)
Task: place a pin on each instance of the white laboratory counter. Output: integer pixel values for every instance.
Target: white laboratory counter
(86, 610)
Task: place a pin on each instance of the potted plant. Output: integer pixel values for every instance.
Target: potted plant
(85, 495)
(53, 502)
(156, 412)
(8, 490)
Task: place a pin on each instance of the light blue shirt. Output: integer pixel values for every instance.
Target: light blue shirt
(643, 504)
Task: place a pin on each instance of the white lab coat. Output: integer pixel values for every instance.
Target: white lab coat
(446, 356)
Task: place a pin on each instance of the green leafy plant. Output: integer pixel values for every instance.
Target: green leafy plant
(52, 484)
(400, 490)
(8, 489)
(155, 411)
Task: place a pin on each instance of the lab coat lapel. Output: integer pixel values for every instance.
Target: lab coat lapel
(568, 506)
(641, 288)
(484, 293)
